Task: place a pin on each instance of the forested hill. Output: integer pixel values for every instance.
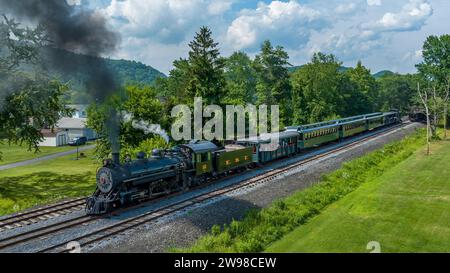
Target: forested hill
(383, 73)
(344, 68)
(128, 72)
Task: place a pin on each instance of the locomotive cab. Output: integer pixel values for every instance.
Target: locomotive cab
(201, 156)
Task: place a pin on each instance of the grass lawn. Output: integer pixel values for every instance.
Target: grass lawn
(47, 181)
(406, 209)
(15, 153)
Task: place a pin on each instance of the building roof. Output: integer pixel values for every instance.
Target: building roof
(353, 121)
(201, 146)
(50, 132)
(332, 123)
(267, 137)
(307, 130)
(71, 123)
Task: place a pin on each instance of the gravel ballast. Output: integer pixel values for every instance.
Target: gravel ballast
(186, 227)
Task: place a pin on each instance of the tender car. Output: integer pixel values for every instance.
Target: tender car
(77, 141)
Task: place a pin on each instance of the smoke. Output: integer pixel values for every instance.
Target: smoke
(69, 27)
(145, 126)
(73, 28)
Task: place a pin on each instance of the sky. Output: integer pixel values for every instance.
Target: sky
(383, 34)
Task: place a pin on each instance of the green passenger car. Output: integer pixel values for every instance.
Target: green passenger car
(317, 136)
(263, 150)
(232, 157)
(353, 127)
(375, 122)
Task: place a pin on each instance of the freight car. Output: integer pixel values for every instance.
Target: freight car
(197, 162)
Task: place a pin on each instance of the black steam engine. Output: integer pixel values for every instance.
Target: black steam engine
(164, 172)
(119, 184)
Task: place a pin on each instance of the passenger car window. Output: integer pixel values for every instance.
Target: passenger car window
(204, 157)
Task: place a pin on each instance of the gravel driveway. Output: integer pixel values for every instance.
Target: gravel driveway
(183, 230)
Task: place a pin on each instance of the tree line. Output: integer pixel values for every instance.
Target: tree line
(317, 91)
(314, 92)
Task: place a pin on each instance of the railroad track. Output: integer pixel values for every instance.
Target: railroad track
(133, 222)
(41, 214)
(41, 232)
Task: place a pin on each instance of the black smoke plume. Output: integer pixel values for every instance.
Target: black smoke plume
(76, 29)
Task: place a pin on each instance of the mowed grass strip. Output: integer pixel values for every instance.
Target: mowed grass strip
(15, 153)
(407, 209)
(46, 182)
(261, 228)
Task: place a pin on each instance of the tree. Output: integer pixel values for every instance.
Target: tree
(435, 68)
(28, 101)
(445, 101)
(366, 85)
(272, 80)
(206, 68)
(141, 103)
(174, 87)
(425, 96)
(321, 91)
(436, 59)
(396, 92)
(240, 80)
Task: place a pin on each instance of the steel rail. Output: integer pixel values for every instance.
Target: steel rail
(42, 213)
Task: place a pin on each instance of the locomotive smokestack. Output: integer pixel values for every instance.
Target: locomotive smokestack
(116, 158)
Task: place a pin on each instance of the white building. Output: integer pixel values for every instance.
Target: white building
(67, 128)
(75, 127)
(54, 138)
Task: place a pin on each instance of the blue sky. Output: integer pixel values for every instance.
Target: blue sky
(383, 34)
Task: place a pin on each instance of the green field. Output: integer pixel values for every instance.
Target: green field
(47, 181)
(406, 209)
(16, 153)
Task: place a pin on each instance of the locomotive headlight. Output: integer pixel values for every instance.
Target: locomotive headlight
(105, 181)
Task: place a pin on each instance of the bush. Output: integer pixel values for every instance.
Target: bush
(146, 146)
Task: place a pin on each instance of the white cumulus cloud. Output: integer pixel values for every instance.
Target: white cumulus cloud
(219, 6)
(347, 46)
(346, 8)
(412, 16)
(288, 23)
(168, 21)
(374, 2)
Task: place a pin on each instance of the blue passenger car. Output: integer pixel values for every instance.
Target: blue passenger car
(264, 151)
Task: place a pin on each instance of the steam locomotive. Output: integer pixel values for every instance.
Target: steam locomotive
(194, 163)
